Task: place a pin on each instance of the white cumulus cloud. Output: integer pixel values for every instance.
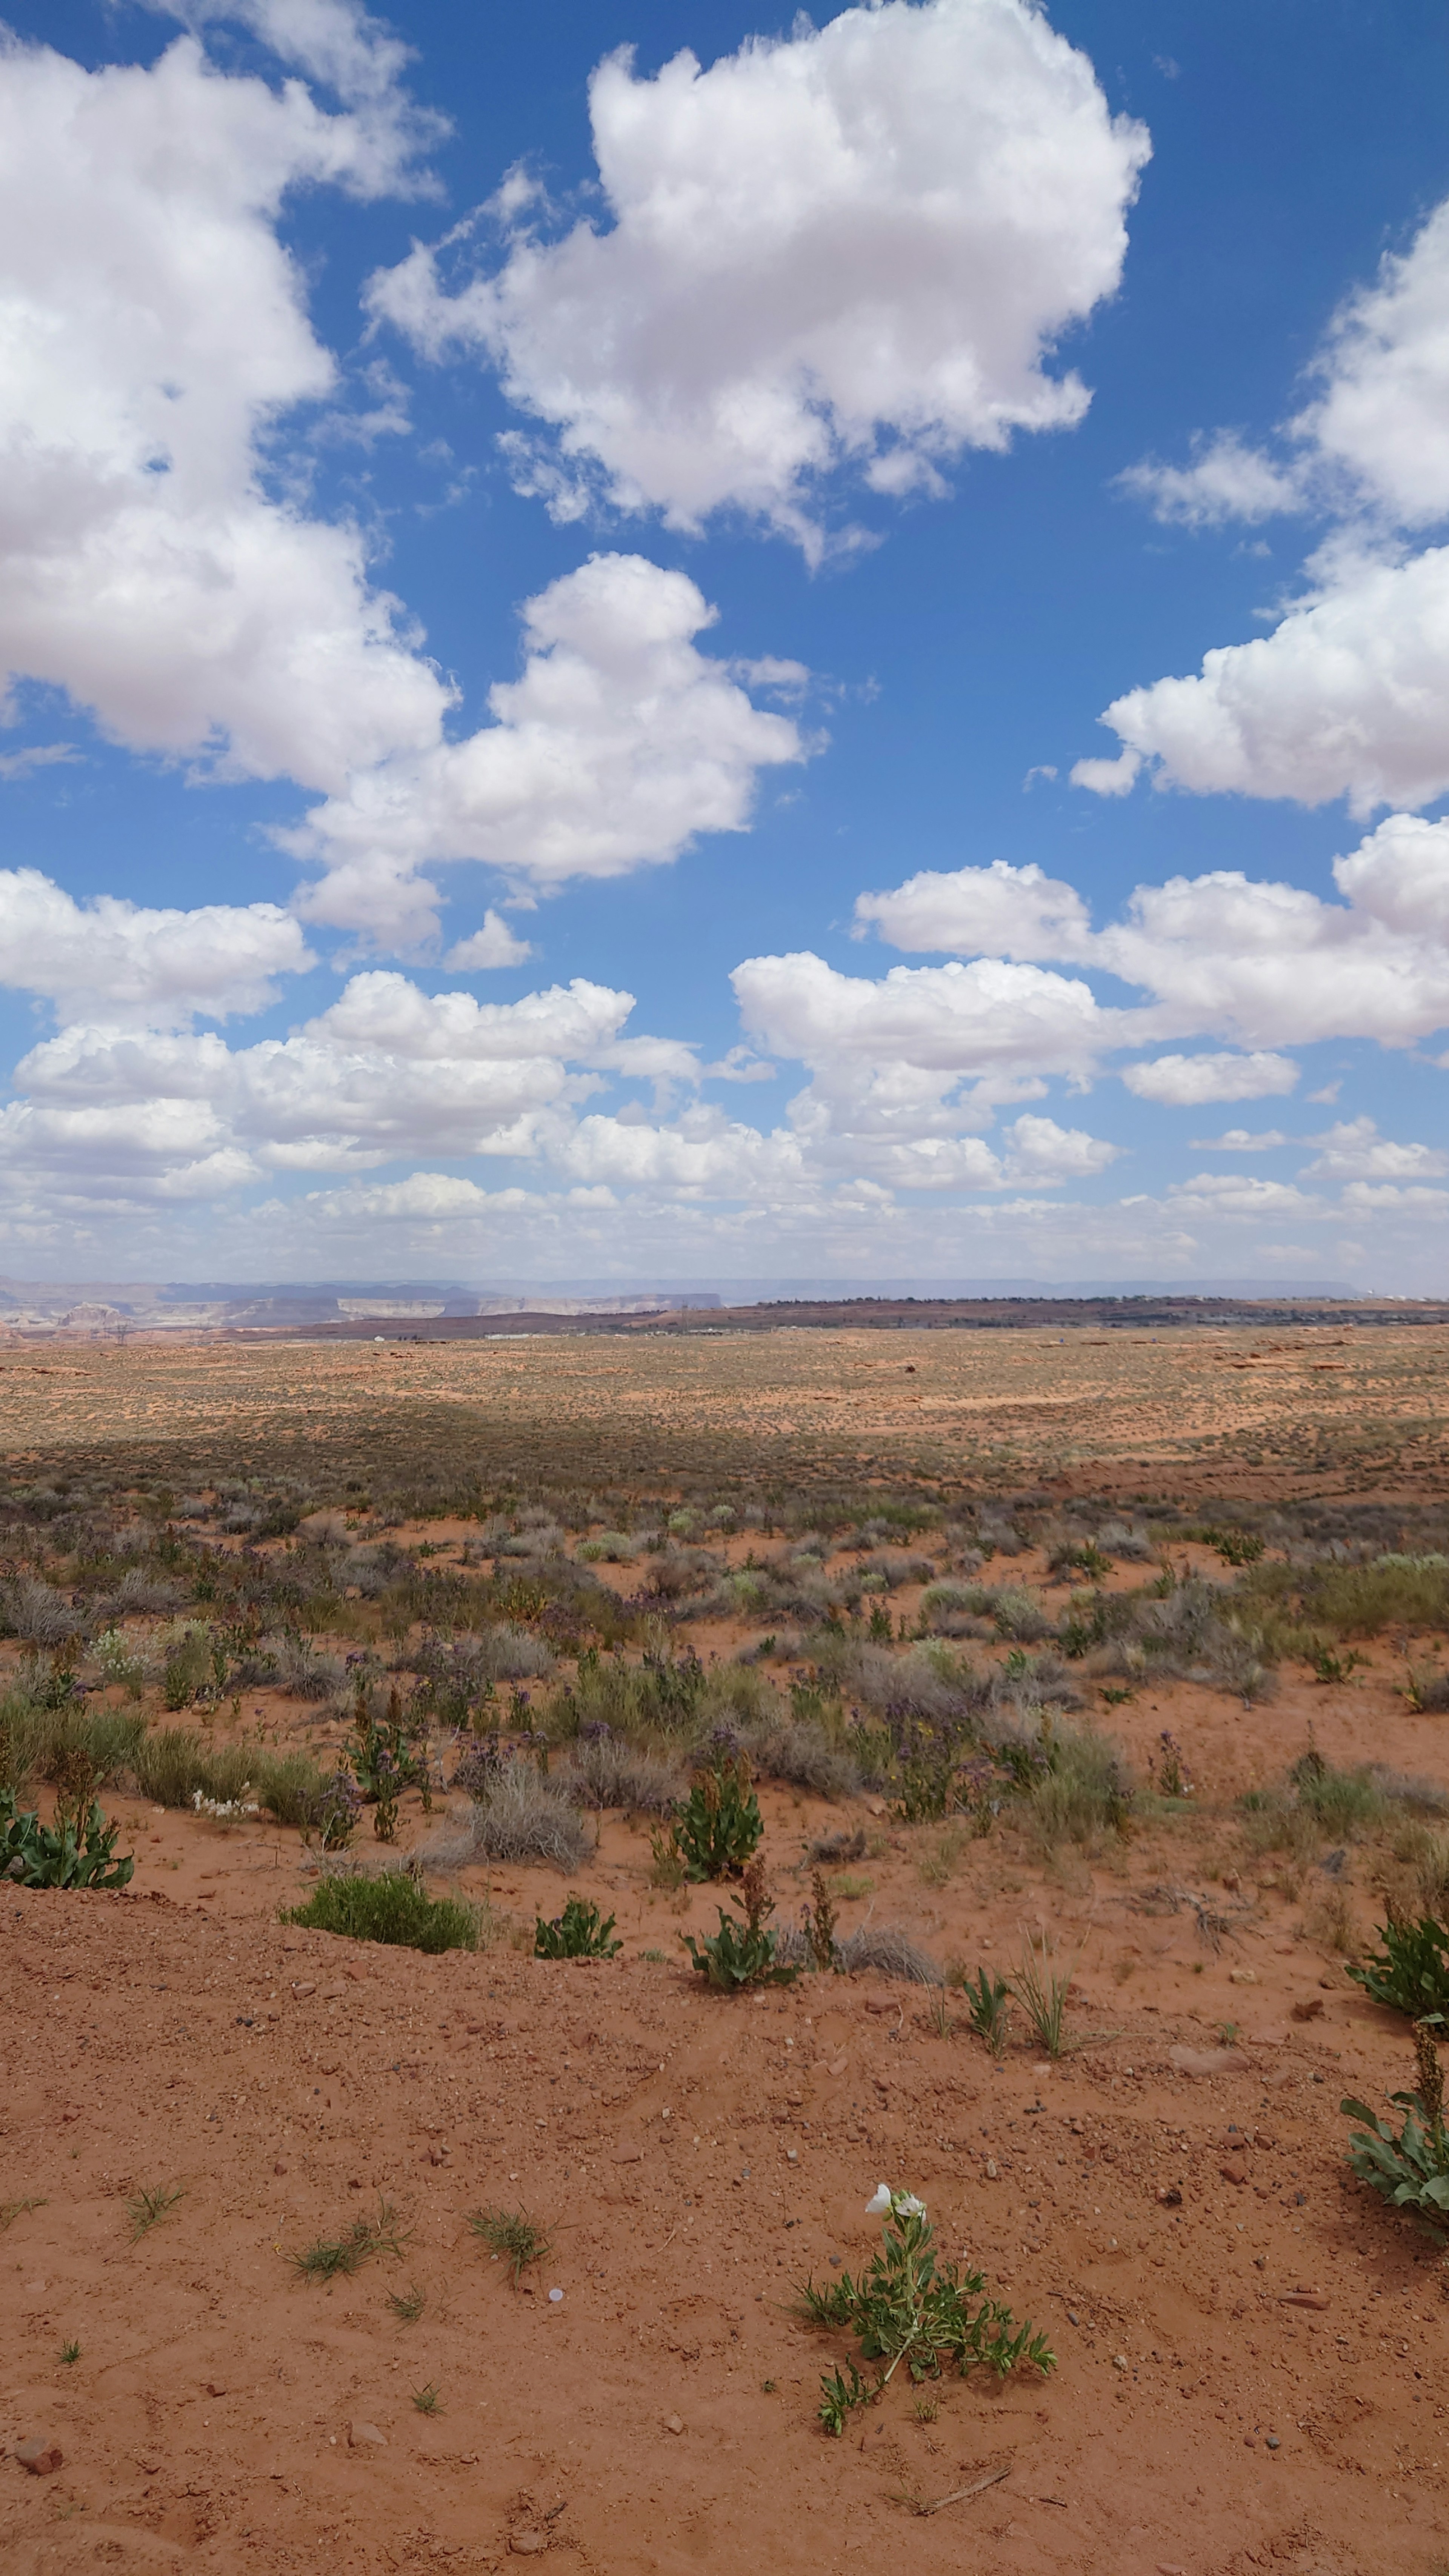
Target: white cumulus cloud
(1188, 1081)
(618, 744)
(155, 334)
(1262, 963)
(856, 245)
(130, 965)
(1345, 697)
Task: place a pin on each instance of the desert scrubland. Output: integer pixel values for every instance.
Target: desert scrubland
(1091, 1693)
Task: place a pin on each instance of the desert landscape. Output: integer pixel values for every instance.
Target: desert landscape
(1005, 1767)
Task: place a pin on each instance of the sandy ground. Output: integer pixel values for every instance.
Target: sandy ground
(691, 2158)
(1251, 2349)
(1217, 1410)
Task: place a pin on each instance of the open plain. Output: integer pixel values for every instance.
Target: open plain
(1112, 1658)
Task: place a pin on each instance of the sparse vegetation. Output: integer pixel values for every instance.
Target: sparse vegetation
(147, 2208)
(1410, 1972)
(743, 1954)
(1408, 2166)
(911, 2306)
(329, 2258)
(578, 1933)
(394, 1908)
(511, 2237)
(988, 2009)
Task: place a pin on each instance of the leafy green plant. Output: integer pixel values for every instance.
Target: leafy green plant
(988, 2009)
(429, 2400)
(408, 2305)
(840, 2394)
(329, 2257)
(511, 2237)
(742, 1954)
(68, 2353)
(719, 1824)
(148, 2208)
(394, 1909)
(1409, 2166)
(78, 1851)
(10, 2210)
(909, 2306)
(580, 1932)
(1411, 1971)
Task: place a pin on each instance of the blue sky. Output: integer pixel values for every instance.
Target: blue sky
(499, 525)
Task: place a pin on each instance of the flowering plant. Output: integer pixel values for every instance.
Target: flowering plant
(911, 2306)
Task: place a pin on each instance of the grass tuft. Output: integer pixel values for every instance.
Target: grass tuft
(149, 2207)
(510, 2236)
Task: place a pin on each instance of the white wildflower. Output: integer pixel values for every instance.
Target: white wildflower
(879, 2206)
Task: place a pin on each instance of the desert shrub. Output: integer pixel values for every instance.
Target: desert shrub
(524, 1817)
(610, 1547)
(1410, 1972)
(121, 1660)
(188, 1667)
(895, 1568)
(507, 1653)
(142, 1593)
(884, 1950)
(1019, 1615)
(79, 1850)
(997, 1536)
(1345, 1804)
(578, 1933)
(1409, 2166)
(1080, 1791)
(1424, 1857)
(804, 1756)
(394, 1909)
(303, 1673)
(956, 1609)
(36, 1613)
(1427, 1693)
(101, 1740)
(742, 1954)
(608, 1771)
(23, 1736)
(719, 1824)
(912, 2305)
(1132, 1546)
(291, 1788)
(1395, 1591)
(171, 1763)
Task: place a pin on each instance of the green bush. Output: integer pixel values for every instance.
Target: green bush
(394, 1909)
(1411, 1972)
(911, 2306)
(1409, 2166)
(79, 1851)
(719, 1824)
(578, 1933)
(171, 1763)
(742, 1954)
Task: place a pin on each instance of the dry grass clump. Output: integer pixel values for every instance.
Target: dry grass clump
(524, 1817)
(34, 1611)
(606, 1770)
(804, 1756)
(884, 1950)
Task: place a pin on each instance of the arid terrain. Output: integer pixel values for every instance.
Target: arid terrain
(1118, 1657)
